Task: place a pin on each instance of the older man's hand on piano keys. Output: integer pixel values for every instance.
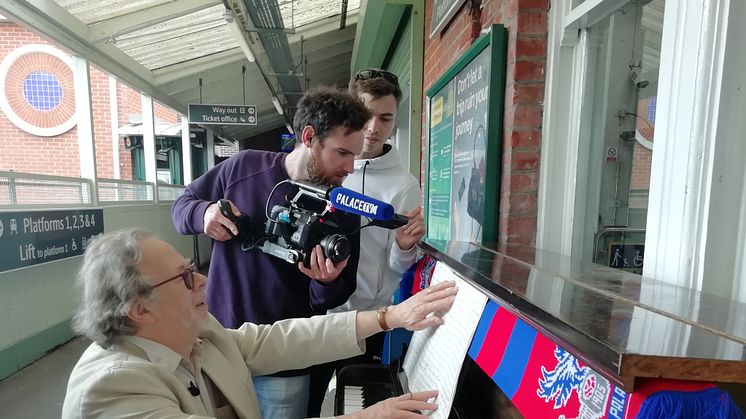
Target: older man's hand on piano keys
(405, 406)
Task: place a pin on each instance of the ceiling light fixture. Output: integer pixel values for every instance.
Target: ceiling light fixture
(290, 129)
(278, 106)
(239, 34)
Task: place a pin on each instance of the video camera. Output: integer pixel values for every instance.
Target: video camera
(292, 232)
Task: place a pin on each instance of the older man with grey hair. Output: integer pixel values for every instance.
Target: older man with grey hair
(158, 353)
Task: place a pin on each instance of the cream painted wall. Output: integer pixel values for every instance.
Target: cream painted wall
(37, 298)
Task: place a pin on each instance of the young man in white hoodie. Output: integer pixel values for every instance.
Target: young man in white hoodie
(384, 254)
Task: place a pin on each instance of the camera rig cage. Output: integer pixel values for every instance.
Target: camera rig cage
(291, 232)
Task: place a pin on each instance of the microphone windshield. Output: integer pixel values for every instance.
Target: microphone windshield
(353, 202)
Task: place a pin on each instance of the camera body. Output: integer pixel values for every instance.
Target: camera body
(296, 231)
(292, 232)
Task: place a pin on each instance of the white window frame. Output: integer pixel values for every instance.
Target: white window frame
(690, 133)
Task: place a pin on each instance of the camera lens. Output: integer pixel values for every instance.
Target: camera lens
(336, 247)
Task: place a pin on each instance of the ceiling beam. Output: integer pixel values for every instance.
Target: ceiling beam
(165, 75)
(230, 73)
(325, 26)
(140, 19)
(204, 66)
(53, 22)
(181, 81)
(256, 93)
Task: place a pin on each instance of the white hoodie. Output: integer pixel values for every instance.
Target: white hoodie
(382, 262)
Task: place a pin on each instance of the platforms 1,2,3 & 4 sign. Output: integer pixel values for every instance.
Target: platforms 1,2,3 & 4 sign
(32, 237)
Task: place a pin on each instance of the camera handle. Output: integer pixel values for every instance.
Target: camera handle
(395, 222)
(225, 208)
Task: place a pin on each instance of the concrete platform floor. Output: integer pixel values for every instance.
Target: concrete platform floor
(38, 390)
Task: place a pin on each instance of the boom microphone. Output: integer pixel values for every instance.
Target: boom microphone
(353, 202)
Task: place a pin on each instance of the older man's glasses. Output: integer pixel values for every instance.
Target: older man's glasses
(372, 73)
(187, 276)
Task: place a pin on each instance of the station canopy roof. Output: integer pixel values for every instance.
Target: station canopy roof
(165, 47)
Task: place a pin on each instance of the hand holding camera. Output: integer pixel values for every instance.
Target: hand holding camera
(218, 221)
(322, 268)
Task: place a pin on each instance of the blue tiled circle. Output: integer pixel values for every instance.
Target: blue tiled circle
(42, 90)
(652, 102)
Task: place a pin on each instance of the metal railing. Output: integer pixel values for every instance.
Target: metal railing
(167, 192)
(26, 189)
(32, 190)
(117, 191)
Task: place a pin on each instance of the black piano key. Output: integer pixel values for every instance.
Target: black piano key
(376, 392)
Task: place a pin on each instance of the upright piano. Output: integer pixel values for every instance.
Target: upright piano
(561, 338)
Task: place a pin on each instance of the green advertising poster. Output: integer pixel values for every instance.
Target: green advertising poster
(464, 138)
(441, 133)
(470, 123)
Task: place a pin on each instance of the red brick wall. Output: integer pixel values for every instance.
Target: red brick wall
(128, 103)
(102, 123)
(527, 25)
(21, 151)
(641, 167)
(24, 152)
(165, 114)
(642, 156)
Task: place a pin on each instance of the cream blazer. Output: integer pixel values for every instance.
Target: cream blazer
(121, 382)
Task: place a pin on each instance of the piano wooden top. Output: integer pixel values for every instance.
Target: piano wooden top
(625, 326)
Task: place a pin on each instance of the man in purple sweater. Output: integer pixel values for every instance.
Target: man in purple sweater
(254, 286)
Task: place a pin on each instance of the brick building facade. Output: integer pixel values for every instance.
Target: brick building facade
(58, 155)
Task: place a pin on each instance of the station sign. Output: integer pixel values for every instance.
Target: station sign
(226, 150)
(442, 13)
(30, 238)
(222, 114)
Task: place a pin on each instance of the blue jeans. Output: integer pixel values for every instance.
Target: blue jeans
(282, 397)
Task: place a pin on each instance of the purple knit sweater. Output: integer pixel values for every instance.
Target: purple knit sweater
(253, 286)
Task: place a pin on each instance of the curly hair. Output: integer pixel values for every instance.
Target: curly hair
(377, 87)
(110, 284)
(325, 108)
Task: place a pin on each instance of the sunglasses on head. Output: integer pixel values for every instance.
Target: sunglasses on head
(372, 73)
(187, 276)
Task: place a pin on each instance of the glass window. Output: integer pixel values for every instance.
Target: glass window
(618, 132)
(42, 90)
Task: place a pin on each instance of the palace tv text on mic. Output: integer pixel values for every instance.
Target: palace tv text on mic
(353, 202)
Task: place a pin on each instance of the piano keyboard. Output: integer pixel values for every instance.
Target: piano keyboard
(363, 385)
(353, 399)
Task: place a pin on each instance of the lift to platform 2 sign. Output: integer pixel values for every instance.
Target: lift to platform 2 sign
(33, 237)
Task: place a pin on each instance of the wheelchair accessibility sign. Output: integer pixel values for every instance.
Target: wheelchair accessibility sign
(627, 256)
